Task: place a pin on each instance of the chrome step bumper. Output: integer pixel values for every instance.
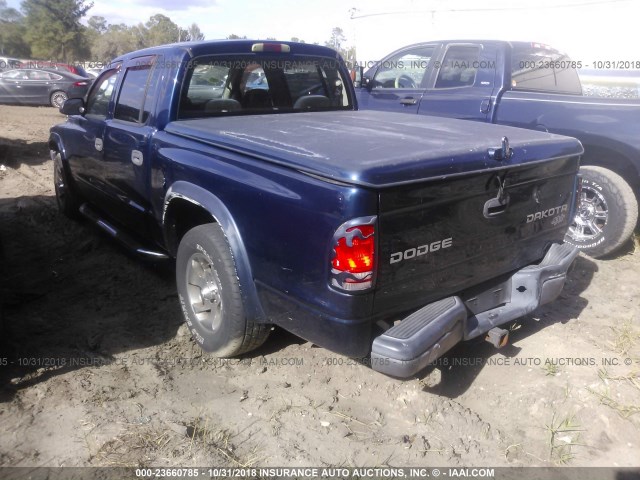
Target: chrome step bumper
(428, 333)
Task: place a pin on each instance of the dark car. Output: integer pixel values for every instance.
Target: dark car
(46, 65)
(41, 87)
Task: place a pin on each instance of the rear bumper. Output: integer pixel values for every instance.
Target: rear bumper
(425, 335)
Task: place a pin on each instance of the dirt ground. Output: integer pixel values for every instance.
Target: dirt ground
(96, 368)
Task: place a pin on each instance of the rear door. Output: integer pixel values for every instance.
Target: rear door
(399, 81)
(124, 169)
(463, 84)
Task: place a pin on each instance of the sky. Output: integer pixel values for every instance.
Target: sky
(588, 30)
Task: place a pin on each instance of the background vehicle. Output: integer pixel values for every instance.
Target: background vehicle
(93, 72)
(41, 87)
(7, 63)
(532, 86)
(43, 64)
(283, 204)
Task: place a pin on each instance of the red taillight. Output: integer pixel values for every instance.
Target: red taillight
(81, 84)
(358, 257)
(353, 261)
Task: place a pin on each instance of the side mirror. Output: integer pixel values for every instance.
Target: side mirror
(357, 74)
(367, 83)
(73, 106)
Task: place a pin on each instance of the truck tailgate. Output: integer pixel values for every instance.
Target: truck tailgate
(440, 237)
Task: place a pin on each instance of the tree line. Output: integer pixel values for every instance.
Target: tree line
(52, 30)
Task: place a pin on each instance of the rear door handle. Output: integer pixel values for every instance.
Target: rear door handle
(408, 101)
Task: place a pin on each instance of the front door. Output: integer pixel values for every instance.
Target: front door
(85, 150)
(398, 83)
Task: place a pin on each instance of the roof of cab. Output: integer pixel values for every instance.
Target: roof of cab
(513, 44)
(211, 47)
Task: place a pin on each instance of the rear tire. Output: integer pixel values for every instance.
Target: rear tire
(607, 213)
(211, 295)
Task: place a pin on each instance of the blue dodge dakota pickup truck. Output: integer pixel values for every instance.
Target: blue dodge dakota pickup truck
(532, 86)
(377, 235)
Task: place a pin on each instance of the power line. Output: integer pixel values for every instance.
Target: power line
(489, 9)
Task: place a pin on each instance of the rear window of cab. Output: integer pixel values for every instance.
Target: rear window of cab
(542, 69)
(262, 83)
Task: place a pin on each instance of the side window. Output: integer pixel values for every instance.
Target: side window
(459, 67)
(100, 95)
(207, 82)
(15, 74)
(130, 106)
(405, 70)
(544, 70)
(38, 75)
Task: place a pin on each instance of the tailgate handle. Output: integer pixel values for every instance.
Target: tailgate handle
(495, 206)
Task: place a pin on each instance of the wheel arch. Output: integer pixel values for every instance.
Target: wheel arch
(56, 143)
(186, 206)
(616, 161)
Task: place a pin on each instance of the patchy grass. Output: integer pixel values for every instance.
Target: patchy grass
(629, 382)
(550, 368)
(620, 391)
(204, 435)
(189, 444)
(625, 337)
(563, 437)
(138, 447)
(605, 397)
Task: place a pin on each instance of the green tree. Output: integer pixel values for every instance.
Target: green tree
(337, 39)
(338, 43)
(233, 36)
(97, 24)
(117, 40)
(161, 30)
(12, 32)
(96, 27)
(193, 34)
(53, 28)
(8, 14)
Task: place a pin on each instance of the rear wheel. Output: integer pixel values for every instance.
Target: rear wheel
(607, 213)
(211, 295)
(58, 98)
